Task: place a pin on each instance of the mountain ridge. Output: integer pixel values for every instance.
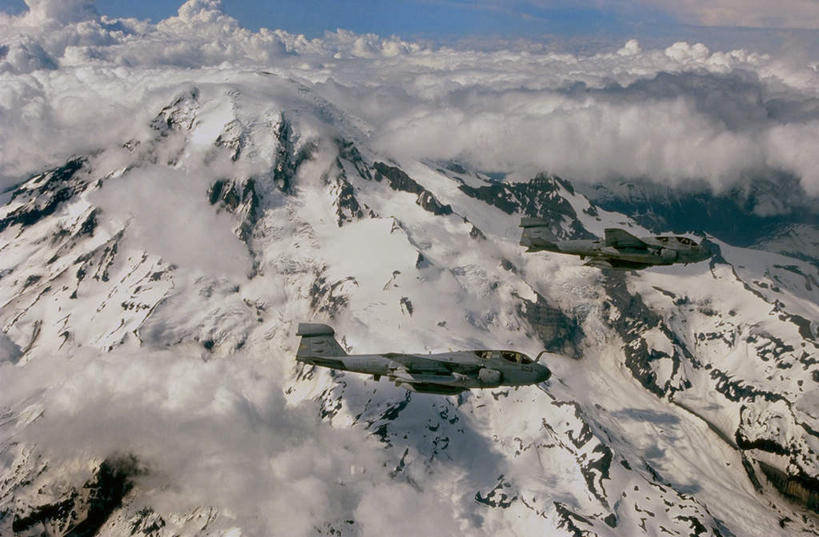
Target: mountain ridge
(301, 223)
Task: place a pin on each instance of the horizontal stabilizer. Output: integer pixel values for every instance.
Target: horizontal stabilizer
(598, 263)
(314, 330)
(528, 221)
(619, 238)
(537, 235)
(317, 341)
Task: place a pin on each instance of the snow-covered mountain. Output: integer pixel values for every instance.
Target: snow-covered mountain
(176, 197)
(150, 292)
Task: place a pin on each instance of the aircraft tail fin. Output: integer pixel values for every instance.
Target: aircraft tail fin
(317, 340)
(537, 235)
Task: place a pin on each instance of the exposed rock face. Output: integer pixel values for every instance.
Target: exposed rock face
(349, 152)
(540, 197)
(233, 138)
(348, 208)
(399, 180)
(178, 115)
(41, 195)
(291, 152)
(632, 319)
(556, 330)
(663, 362)
(240, 198)
(286, 163)
(802, 489)
(329, 298)
(80, 512)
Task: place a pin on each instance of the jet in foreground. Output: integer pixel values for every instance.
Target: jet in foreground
(446, 373)
(618, 250)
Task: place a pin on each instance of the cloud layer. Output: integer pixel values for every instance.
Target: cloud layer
(236, 442)
(69, 78)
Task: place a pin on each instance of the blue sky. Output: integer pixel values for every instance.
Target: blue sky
(654, 22)
(421, 18)
(409, 18)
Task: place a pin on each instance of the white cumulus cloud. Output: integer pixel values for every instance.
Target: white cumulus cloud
(671, 115)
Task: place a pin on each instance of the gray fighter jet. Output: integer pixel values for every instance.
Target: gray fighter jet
(446, 373)
(618, 250)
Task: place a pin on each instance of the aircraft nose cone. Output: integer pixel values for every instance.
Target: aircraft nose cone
(543, 374)
(705, 250)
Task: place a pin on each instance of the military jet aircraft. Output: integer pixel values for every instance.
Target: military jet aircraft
(446, 373)
(618, 250)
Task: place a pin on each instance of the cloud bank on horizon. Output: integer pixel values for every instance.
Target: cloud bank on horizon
(744, 13)
(72, 81)
(790, 14)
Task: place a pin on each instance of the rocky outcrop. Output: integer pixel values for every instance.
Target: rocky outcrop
(233, 138)
(539, 197)
(399, 180)
(43, 193)
(348, 207)
(632, 319)
(349, 152)
(558, 332)
(240, 198)
(329, 298)
(80, 512)
(180, 114)
(285, 164)
(289, 155)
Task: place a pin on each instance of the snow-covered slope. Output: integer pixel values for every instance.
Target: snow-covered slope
(150, 293)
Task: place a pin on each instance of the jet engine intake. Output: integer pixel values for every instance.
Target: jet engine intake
(668, 255)
(489, 376)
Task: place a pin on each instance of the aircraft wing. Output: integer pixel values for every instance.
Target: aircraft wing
(424, 378)
(616, 264)
(418, 364)
(599, 263)
(620, 238)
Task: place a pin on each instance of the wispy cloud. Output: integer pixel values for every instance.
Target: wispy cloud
(234, 438)
(753, 13)
(725, 13)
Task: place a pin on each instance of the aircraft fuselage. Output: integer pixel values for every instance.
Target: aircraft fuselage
(648, 256)
(443, 373)
(618, 250)
(460, 364)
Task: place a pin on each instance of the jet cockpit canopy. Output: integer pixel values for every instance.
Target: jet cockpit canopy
(509, 356)
(682, 240)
